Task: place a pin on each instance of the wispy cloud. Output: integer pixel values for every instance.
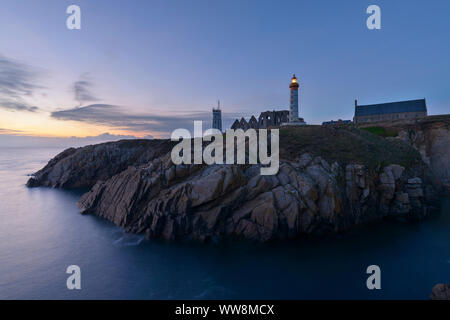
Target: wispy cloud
(17, 105)
(82, 89)
(10, 131)
(17, 82)
(117, 117)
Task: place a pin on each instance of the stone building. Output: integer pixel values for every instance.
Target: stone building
(338, 122)
(266, 119)
(401, 110)
(275, 118)
(272, 118)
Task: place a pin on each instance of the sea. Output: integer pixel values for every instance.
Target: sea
(42, 233)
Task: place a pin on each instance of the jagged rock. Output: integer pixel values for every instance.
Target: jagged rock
(431, 138)
(415, 180)
(401, 203)
(396, 170)
(136, 186)
(388, 179)
(415, 191)
(304, 160)
(440, 292)
(83, 167)
(355, 180)
(205, 202)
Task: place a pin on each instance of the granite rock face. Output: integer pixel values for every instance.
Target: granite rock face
(432, 140)
(308, 196)
(83, 167)
(440, 292)
(345, 178)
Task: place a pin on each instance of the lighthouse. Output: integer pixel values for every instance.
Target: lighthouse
(293, 111)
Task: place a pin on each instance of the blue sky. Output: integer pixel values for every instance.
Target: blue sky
(149, 62)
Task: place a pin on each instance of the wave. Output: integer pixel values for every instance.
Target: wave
(127, 240)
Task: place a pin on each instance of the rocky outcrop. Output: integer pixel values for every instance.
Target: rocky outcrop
(432, 140)
(307, 196)
(83, 167)
(330, 179)
(431, 137)
(440, 292)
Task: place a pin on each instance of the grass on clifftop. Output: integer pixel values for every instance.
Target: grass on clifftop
(345, 144)
(382, 132)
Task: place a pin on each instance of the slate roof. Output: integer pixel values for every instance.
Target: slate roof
(391, 107)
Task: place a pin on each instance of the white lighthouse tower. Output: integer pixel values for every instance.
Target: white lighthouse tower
(294, 120)
(293, 111)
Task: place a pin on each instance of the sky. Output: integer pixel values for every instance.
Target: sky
(143, 68)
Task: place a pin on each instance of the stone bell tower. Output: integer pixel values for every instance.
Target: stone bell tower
(217, 117)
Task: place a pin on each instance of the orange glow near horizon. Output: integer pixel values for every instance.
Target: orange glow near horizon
(40, 124)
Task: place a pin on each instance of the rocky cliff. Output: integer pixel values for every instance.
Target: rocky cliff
(440, 292)
(307, 196)
(83, 167)
(330, 179)
(431, 137)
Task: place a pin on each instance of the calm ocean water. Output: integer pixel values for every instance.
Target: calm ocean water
(42, 232)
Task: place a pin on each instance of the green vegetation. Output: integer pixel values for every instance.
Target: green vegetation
(382, 132)
(345, 144)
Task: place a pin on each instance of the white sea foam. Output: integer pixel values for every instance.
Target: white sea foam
(126, 240)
